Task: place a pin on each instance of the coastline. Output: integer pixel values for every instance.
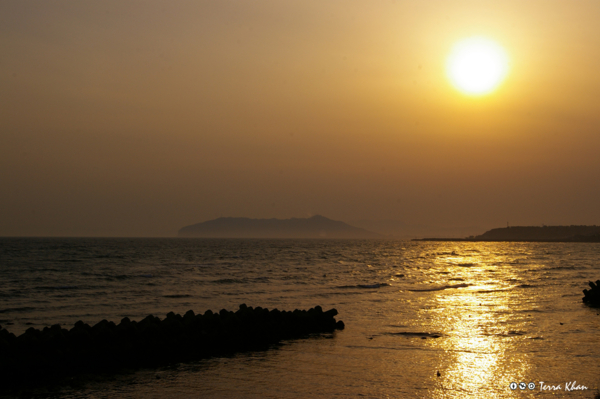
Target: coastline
(532, 234)
(506, 240)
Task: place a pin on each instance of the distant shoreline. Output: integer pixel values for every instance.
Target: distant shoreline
(507, 240)
(532, 234)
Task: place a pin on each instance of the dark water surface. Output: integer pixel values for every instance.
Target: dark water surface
(482, 314)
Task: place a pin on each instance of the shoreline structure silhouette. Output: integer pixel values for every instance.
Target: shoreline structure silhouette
(533, 234)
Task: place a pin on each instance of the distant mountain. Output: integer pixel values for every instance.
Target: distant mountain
(314, 227)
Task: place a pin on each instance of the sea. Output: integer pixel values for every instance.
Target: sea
(423, 319)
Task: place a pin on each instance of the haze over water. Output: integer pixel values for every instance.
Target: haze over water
(482, 314)
(121, 118)
(133, 119)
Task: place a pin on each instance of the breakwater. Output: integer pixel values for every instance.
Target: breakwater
(53, 353)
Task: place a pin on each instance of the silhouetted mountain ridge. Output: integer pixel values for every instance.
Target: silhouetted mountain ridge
(314, 227)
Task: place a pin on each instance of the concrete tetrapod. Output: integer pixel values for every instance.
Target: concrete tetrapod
(39, 356)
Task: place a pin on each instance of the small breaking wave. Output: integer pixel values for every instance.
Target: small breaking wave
(228, 281)
(445, 287)
(490, 290)
(410, 334)
(58, 287)
(512, 333)
(123, 277)
(377, 285)
(21, 309)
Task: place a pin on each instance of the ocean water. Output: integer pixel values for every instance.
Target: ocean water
(482, 315)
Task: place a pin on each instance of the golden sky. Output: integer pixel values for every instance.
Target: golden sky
(135, 118)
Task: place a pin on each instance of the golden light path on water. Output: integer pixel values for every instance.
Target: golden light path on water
(483, 315)
(478, 344)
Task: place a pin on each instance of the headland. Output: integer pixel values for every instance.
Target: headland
(533, 234)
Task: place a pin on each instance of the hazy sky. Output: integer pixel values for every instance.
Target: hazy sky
(135, 118)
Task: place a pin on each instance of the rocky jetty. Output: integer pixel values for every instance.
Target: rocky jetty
(51, 354)
(592, 297)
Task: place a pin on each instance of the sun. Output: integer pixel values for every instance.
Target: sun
(477, 65)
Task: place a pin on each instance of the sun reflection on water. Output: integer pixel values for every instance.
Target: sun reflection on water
(476, 340)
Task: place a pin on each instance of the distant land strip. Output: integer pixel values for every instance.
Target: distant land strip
(532, 234)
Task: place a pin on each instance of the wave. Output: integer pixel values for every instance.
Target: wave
(119, 277)
(125, 276)
(445, 287)
(228, 281)
(188, 264)
(512, 333)
(376, 285)
(57, 287)
(107, 256)
(21, 309)
(488, 291)
(11, 294)
(411, 334)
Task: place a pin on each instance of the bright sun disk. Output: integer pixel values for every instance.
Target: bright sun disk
(477, 66)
